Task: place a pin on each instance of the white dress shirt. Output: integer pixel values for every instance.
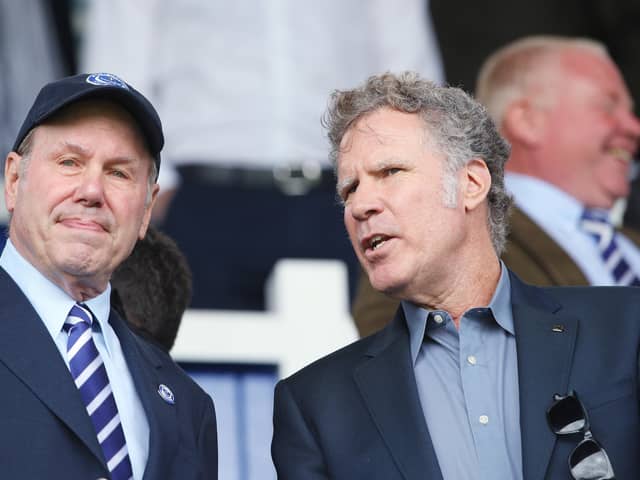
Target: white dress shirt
(558, 214)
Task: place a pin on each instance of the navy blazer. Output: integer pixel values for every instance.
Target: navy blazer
(46, 432)
(356, 413)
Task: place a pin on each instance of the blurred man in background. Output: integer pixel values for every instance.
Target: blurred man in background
(152, 288)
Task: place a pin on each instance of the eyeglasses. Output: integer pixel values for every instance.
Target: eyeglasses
(588, 461)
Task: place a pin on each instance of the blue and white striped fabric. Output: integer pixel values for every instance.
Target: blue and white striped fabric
(596, 223)
(91, 379)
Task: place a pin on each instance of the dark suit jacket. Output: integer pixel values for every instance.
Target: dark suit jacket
(356, 414)
(46, 432)
(532, 254)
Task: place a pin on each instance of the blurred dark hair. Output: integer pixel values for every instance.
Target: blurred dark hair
(151, 289)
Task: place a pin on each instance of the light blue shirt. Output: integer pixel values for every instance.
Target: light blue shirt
(558, 214)
(468, 387)
(53, 305)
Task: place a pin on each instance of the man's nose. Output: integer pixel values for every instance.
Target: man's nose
(90, 189)
(365, 201)
(631, 125)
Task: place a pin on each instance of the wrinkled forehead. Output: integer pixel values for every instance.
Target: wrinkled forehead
(385, 126)
(384, 130)
(98, 111)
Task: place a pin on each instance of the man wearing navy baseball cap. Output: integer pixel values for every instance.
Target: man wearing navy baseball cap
(55, 96)
(85, 397)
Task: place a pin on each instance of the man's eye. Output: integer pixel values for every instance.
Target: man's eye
(67, 162)
(391, 171)
(348, 191)
(119, 174)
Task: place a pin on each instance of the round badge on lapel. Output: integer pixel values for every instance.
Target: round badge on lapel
(166, 394)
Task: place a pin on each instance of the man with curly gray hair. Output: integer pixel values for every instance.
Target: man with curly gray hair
(563, 106)
(457, 386)
(460, 127)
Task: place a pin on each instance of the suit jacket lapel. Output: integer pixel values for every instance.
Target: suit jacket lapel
(27, 349)
(545, 339)
(631, 234)
(387, 384)
(542, 250)
(146, 370)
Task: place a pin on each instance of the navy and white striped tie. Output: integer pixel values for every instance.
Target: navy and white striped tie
(596, 223)
(90, 376)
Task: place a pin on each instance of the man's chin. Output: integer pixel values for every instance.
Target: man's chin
(612, 197)
(390, 286)
(81, 260)
(605, 199)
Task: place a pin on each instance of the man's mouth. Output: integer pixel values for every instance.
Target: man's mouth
(83, 224)
(376, 242)
(621, 154)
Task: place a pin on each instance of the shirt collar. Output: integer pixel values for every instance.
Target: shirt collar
(500, 306)
(51, 303)
(551, 201)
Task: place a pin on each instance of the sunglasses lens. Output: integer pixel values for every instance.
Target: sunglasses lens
(590, 462)
(567, 416)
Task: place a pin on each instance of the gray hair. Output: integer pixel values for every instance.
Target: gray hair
(514, 70)
(458, 125)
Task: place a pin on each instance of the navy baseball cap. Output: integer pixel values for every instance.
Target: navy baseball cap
(55, 96)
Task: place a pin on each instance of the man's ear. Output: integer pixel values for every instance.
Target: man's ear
(476, 183)
(147, 212)
(11, 179)
(524, 122)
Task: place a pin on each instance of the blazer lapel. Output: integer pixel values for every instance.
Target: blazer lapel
(146, 370)
(387, 384)
(27, 349)
(541, 250)
(545, 339)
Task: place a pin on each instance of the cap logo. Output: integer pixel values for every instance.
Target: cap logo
(106, 79)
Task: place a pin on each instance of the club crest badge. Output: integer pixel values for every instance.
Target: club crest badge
(166, 394)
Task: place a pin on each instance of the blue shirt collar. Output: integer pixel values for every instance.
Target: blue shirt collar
(51, 303)
(500, 306)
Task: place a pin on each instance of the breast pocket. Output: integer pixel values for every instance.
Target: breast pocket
(601, 397)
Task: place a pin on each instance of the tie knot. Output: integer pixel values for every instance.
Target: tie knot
(595, 215)
(596, 223)
(79, 314)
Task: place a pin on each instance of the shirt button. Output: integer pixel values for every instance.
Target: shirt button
(438, 318)
(472, 360)
(483, 419)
